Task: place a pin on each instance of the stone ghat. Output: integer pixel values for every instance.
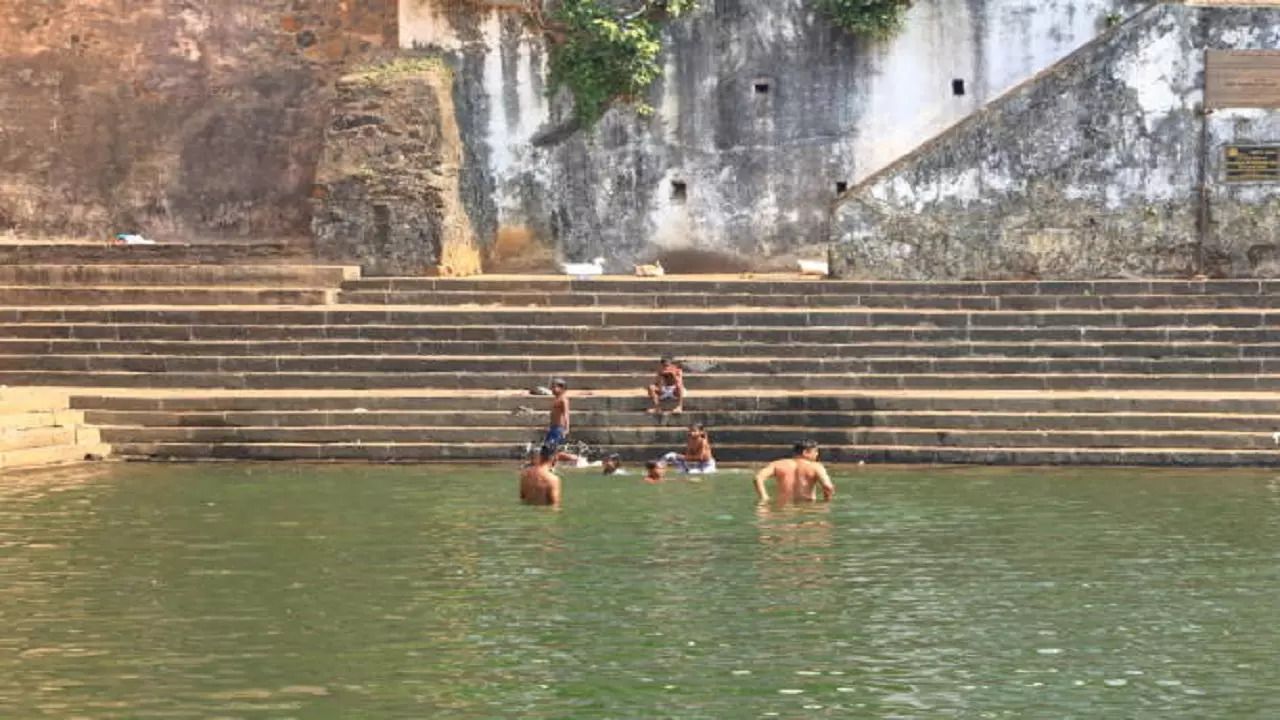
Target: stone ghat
(38, 429)
(1150, 372)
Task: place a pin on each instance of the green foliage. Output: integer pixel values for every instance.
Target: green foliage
(871, 19)
(601, 54)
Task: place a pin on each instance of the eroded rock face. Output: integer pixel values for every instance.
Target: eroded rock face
(387, 189)
(200, 118)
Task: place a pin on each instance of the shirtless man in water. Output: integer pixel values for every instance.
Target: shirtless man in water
(798, 477)
(539, 485)
(558, 425)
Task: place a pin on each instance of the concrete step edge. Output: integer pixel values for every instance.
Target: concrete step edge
(47, 456)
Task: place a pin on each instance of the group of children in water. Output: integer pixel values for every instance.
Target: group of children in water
(797, 478)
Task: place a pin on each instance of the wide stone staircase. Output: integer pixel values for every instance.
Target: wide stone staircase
(411, 369)
(38, 428)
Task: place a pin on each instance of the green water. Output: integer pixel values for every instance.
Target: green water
(259, 591)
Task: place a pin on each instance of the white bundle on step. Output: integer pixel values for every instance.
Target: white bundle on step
(813, 267)
(595, 267)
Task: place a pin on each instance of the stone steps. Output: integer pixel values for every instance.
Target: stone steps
(26, 438)
(318, 379)
(162, 295)
(589, 420)
(1030, 429)
(705, 385)
(686, 349)
(429, 452)
(764, 285)
(38, 429)
(690, 338)
(211, 253)
(638, 369)
(38, 418)
(105, 275)
(616, 318)
(728, 300)
(215, 366)
(1097, 405)
(766, 436)
(52, 455)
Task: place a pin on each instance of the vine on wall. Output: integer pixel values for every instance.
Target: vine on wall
(871, 19)
(601, 52)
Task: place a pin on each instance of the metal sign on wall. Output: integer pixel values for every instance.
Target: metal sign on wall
(1252, 163)
(1242, 78)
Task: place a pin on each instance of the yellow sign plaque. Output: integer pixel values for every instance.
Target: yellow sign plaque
(1252, 163)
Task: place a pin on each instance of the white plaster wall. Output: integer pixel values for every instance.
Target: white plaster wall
(992, 46)
(892, 97)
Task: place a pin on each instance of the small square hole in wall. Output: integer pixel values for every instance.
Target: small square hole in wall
(957, 87)
(841, 187)
(762, 87)
(679, 191)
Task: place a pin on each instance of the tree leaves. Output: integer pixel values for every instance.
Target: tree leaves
(872, 19)
(603, 53)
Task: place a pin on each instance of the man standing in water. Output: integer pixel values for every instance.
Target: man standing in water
(797, 477)
(558, 426)
(539, 484)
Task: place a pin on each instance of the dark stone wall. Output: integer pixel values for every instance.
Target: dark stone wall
(387, 189)
(191, 119)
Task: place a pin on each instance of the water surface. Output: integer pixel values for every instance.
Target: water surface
(296, 591)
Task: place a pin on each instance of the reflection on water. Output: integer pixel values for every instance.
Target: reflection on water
(340, 592)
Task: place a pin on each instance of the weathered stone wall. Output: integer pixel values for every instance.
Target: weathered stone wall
(387, 189)
(191, 119)
(1092, 170)
(764, 111)
(1243, 231)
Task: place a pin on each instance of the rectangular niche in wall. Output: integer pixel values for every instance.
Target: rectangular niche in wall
(679, 191)
(762, 87)
(957, 87)
(841, 186)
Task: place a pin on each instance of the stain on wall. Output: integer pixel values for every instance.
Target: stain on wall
(763, 113)
(387, 190)
(190, 119)
(1092, 170)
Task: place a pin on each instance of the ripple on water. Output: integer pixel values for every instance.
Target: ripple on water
(316, 585)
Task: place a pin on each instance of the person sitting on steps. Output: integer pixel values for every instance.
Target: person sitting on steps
(668, 385)
(697, 457)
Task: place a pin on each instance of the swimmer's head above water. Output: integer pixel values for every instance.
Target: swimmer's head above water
(654, 470)
(611, 464)
(807, 449)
